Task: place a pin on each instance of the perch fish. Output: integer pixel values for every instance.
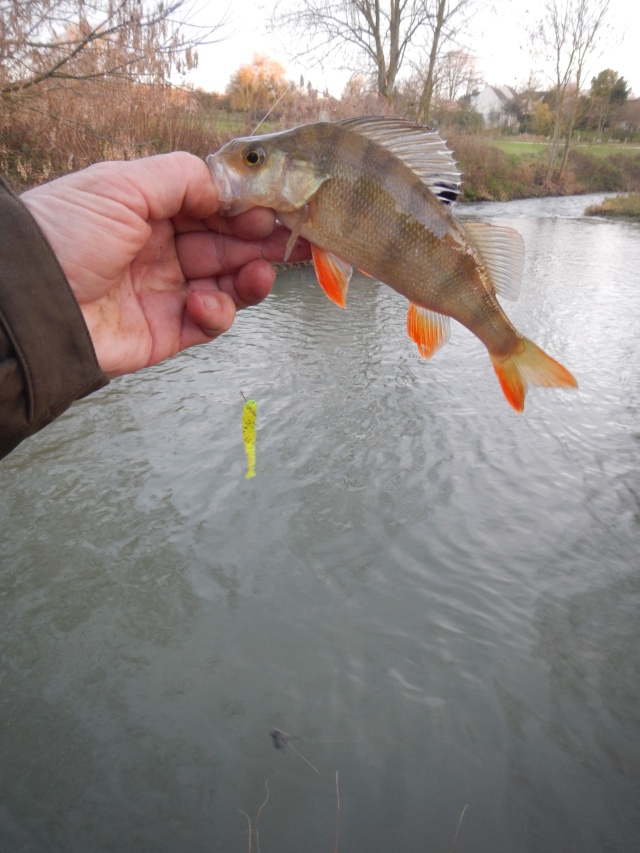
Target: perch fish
(375, 193)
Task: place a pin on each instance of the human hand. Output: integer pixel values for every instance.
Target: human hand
(152, 266)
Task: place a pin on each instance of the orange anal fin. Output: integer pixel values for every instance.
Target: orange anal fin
(333, 275)
(428, 330)
(529, 365)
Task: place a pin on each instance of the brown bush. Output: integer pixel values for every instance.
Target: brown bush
(46, 135)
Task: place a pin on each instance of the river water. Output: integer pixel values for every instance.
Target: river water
(438, 597)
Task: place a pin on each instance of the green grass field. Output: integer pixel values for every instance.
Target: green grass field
(530, 149)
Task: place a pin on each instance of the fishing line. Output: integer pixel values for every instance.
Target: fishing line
(237, 355)
(249, 417)
(262, 120)
(233, 332)
(250, 408)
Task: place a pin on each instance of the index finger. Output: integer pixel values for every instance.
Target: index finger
(204, 254)
(254, 224)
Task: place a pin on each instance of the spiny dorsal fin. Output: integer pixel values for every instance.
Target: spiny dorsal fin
(502, 250)
(421, 149)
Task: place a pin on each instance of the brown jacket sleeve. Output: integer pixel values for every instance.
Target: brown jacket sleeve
(47, 360)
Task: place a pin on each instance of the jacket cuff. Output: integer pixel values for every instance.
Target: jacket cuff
(47, 359)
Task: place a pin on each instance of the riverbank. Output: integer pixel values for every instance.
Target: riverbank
(619, 207)
(494, 170)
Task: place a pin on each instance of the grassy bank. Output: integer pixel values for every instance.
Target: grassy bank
(620, 207)
(500, 170)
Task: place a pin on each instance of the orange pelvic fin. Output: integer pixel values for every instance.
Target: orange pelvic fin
(428, 330)
(529, 365)
(333, 275)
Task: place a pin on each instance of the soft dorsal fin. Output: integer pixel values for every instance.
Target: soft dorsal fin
(502, 251)
(421, 149)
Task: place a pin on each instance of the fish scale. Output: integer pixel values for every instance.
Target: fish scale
(374, 193)
(390, 230)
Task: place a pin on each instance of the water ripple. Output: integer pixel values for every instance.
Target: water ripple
(435, 594)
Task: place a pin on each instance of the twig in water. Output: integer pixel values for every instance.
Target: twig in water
(335, 849)
(455, 837)
(253, 828)
(281, 740)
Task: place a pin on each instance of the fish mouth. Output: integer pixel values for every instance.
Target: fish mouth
(228, 186)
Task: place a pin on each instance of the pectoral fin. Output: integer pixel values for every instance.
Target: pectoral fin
(333, 275)
(428, 330)
(296, 228)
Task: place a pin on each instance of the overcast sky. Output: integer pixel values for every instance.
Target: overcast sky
(498, 41)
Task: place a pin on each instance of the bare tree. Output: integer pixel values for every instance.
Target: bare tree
(88, 80)
(443, 23)
(457, 75)
(45, 41)
(568, 32)
(367, 35)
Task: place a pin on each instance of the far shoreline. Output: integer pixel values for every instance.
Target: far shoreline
(624, 206)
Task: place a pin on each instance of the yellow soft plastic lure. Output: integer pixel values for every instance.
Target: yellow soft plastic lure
(249, 415)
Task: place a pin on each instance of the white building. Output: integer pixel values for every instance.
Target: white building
(491, 103)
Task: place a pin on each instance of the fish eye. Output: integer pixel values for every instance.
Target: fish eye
(253, 156)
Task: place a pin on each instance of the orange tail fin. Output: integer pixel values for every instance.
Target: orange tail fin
(529, 365)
